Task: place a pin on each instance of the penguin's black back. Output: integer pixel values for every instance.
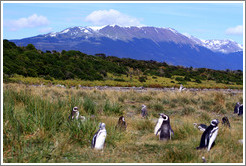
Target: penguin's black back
(93, 143)
(240, 110)
(236, 108)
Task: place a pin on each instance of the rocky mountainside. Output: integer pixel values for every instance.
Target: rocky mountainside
(145, 43)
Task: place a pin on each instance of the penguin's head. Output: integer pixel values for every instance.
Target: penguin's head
(215, 122)
(122, 119)
(165, 117)
(75, 109)
(102, 126)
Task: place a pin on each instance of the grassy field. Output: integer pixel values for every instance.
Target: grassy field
(36, 129)
(124, 81)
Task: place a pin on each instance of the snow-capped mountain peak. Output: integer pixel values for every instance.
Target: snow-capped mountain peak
(225, 46)
(156, 34)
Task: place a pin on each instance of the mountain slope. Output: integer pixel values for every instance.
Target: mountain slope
(143, 43)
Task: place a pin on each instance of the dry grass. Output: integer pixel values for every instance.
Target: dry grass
(29, 135)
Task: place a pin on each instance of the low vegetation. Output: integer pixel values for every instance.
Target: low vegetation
(73, 68)
(36, 127)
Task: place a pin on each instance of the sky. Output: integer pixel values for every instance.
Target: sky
(202, 20)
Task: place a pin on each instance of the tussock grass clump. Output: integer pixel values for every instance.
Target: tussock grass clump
(158, 107)
(144, 125)
(145, 98)
(89, 106)
(188, 110)
(82, 131)
(112, 108)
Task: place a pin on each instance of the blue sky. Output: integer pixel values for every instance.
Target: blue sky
(202, 20)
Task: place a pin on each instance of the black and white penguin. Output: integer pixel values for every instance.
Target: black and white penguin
(121, 123)
(236, 108)
(240, 112)
(75, 114)
(144, 111)
(159, 123)
(209, 135)
(201, 127)
(225, 121)
(99, 137)
(165, 129)
(181, 88)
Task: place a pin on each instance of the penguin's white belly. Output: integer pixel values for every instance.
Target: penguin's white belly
(100, 140)
(158, 125)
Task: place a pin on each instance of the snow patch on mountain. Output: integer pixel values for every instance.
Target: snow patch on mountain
(224, 46)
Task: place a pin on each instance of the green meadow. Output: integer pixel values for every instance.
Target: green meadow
(36, 127)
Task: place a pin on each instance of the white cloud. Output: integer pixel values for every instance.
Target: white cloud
(238, 30)
(45, 30)
(109, 17)
(29, 22)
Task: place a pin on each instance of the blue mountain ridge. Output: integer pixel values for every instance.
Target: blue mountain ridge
(171, 47)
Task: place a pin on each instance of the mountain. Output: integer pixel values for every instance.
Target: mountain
(143, 43)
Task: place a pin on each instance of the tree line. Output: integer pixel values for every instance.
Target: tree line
(29, 61)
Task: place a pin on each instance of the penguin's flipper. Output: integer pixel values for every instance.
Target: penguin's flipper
(158, 131)
(93, 142)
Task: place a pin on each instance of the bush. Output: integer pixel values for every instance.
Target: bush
(198, 81)
(48, 77)
(142, 79)
(119, 79)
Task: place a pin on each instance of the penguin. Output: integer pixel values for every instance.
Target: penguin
(144, 111)
(203, 159)
(201, 127)
(225, 121)
(75, 114)
(121, 123)
(165, 129)
(181, 88)
(209, 135)
(99, 137)
(236, 108)
(159, 123)
(240, 110)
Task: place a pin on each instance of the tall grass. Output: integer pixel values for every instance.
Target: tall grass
(36, 126)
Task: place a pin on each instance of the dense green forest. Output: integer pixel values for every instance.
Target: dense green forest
(28, 61)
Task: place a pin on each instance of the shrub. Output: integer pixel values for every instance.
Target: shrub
(198, 81)
(119, 79)
(48, 77)
(142, 79)
(180, 79)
